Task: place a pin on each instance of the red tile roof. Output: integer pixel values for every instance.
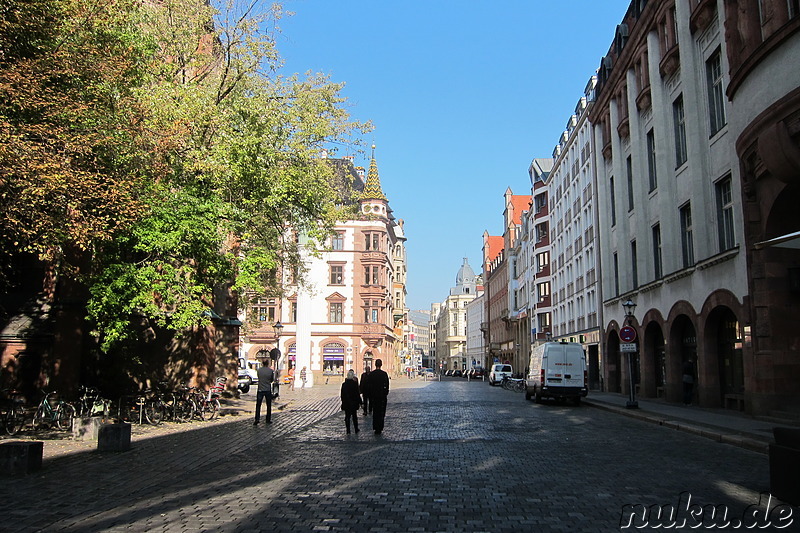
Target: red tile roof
(520, 202)
(495, 246)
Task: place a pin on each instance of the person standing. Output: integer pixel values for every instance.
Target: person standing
(364, 388)
(291, 378)
(265, 378)
(351, 400)
(378, 393)
(688, 381)
(303, 378)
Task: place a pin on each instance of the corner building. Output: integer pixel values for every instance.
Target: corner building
(344, 315)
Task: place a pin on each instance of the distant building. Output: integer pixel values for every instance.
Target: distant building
(433, 357)
(451, 320)
(477, 348)
(419, 337)
(501, 285)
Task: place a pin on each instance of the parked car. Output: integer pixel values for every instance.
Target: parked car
(250, 369)
(428, 374)
(498, 372)
(457, 373)
(244, 381)
(478, 372)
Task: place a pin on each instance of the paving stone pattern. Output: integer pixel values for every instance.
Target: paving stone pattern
(454, 456)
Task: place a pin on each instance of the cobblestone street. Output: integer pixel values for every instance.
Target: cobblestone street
(454, 456)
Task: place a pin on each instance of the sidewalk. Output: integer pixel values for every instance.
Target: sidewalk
(721, 425)
(59, 443)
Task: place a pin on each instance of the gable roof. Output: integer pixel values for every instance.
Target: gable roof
(495, 245)
(520, 203)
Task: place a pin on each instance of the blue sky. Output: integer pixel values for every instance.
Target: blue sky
(462, 94)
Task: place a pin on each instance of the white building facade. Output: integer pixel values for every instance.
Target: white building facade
(575, 286)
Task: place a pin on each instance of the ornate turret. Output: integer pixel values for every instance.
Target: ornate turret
(373, 201)
(372, 189)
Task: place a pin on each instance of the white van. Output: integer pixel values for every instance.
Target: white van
(498, 372)
(557, 370)
(248, 370)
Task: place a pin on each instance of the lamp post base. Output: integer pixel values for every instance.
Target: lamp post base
(632, 404)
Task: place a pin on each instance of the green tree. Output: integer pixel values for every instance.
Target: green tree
(244, 170)
(73, 150)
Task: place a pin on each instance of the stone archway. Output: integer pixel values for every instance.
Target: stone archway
(724, 361)
(683, 347)
(654, 378)
(614, 363)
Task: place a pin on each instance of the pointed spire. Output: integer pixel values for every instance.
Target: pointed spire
(372, 189)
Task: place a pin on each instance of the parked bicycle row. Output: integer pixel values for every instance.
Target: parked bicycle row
(145, 407)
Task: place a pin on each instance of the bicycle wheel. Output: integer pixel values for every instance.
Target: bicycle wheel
(154, 412)
(211, 409)
(65, 416)
(15, 420)
(184, 410)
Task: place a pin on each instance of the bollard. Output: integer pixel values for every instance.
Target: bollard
(86, 428)
(18, 458)
(114, 437)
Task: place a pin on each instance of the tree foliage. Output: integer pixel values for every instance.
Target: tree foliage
(72, 147)
(160, 138)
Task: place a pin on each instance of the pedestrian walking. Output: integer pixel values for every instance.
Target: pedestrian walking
(291, 378)
(303, 377)
(688, 381)
(351, 400)
(378, 393)
(363, 386)
(266, 375)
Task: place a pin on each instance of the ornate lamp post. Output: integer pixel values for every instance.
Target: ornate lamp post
(277, 327)
(628, 334)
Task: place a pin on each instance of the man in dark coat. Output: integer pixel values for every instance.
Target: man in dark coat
(364, 389)
(378, 391)
(265, 378)
(351, 400)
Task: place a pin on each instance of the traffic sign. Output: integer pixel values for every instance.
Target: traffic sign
(627, 347)
(627, 334)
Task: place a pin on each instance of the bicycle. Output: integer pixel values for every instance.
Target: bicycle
(12, 414)
(61, 415)
(208, 403)
(91, 403)
(514, 384)
(177, 405)
(183, 405)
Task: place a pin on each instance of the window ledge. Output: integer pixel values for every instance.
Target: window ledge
(727, 255)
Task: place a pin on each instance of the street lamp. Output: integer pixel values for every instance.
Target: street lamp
(275, 354)
(628, 334)
(277, 327)
(629, 306)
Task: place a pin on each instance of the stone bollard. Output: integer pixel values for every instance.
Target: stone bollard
(18, 458)
(87, 428)
(114, 437)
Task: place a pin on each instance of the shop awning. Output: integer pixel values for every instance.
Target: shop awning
(790, 240)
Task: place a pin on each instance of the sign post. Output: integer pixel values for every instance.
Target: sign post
(628, 335)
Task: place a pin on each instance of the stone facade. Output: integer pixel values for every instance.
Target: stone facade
(684, 86)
